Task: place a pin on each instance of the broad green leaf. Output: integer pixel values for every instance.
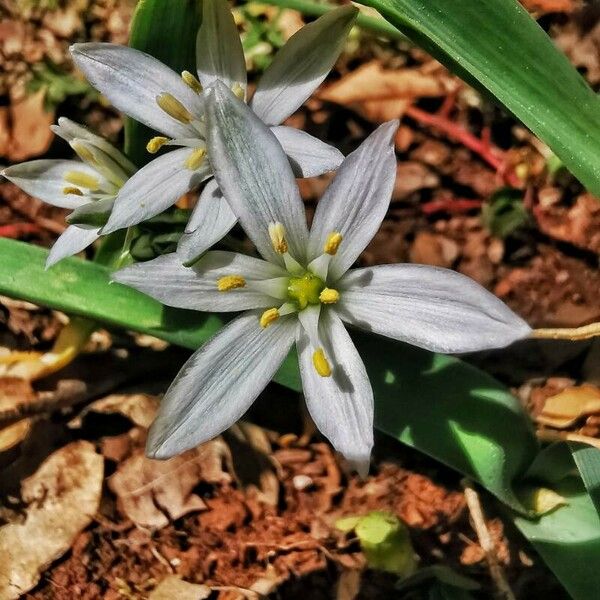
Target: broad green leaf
(568, 538)
(497, 46)
(587, 459)
(165, 29)
(435, 403)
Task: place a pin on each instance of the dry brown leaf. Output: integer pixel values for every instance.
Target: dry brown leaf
(149, 492)
(63, 496)
(565, 408)
(30, 127)
(383, 94)
(174, 587)
(140, 409)
(254, 467)
(14, 434)
(15, 395)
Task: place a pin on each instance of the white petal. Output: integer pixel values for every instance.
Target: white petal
(93, 214)
(69, 130)
(173, 284)
(341, 405)
(254, 174)
(219, 383)
(301, 65)
(356, 201)
(429, 307)
(73, 240)
(44, 179)
(219, 53)
(308, 156)
(132, 80)
(211, 220)
(155, 188)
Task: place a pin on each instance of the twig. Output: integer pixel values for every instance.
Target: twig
(568, 333)
(480, 146)
(485, 540)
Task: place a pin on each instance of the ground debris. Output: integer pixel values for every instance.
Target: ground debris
(62, 498)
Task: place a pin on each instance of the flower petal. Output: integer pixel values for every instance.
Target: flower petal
(357, 199)
(44, 179)
(69, 131)
(132, 80)
(173, 284)
(341, 405)
(219, 383)
(254, 174)
(219, 52)
(154, 188)
(433, 308)
(301, 65)
(308, 156)
(93, 214)
(73, 240)
(211, 220)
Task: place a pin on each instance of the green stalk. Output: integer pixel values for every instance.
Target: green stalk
(316, 9)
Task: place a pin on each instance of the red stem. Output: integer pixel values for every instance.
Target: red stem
(16, 231)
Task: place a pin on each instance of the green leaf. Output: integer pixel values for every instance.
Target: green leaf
(504, 213)
(165, 29)
(497, 46)
(587, 459)
(568, 538)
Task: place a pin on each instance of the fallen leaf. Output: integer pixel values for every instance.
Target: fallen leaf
(140, 409)
(30, 127)
(63, 496)
(381, 94)
(15, 395)
(150, 492)
(14, 434)
(252, 461)
(565, 408)
(174, 587)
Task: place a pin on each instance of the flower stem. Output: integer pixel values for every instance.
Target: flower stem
(316, 9)
(573, 333)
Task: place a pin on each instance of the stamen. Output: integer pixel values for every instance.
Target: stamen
(230, 282)
(83, 153)
(277, 235)
(332, 243)
(269, 316)
(195, 159)
(238, 90)
(174, 108)
(156, 143)
(321, 364)
(329, 296)
(72, 190)
(81, 179)
(191, 81)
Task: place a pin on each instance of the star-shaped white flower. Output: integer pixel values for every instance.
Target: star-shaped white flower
(303, 292)
(151, 93)
(89, 187)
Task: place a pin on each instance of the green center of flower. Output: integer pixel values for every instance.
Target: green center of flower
(305, 290)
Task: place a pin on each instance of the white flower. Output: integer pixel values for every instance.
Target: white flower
(89, 187)
(302, 292)
(153, 94)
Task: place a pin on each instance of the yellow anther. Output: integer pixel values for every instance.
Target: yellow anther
(277, 235)
(321, 363)
(191, 81)
(269, 316)
(174, 108)
(72, 190)
(332, 243)
(84, 153)
(195, 159)
(329, 296)
(81, 179)
(156, 143)
(230, 282)
(238, 90)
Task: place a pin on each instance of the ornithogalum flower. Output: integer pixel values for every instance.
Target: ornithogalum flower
(151, 93)
(89, 186)
(302, 292)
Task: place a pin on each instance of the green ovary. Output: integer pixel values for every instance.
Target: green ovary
(305, 290)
